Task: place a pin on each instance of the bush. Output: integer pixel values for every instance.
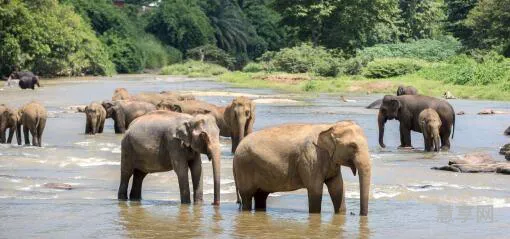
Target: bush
(465, 70)
(211, 54)
(390, 67)
(303, 58)
(426, 49)
(125, 54)
(254, 67)
(63, 45)
(155, 55)
(194, 69)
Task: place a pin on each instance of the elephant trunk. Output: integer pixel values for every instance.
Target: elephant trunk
(216, 164)
(436, 140)
(239, 132)
(18, 132)
(364, 171)
(381, 121)
(93, 125)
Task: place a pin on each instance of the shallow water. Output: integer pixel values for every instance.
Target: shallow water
(408, 199)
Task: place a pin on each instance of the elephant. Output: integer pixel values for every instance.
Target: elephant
(149, 97)
(162, 141)
(27, 80)
(406, 109)
(429, 125)
(96, 116)
(401, 90)
(123, 112)
(33, 118)
(294, 156)
(406, 90)
(234, 120)
(9, 119)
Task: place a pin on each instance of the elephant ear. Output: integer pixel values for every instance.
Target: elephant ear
(183, 133)
(229, 113)
(326, 141)
(395, 104)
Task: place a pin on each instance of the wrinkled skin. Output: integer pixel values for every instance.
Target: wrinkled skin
(9, 119)
(162, 141)
(149, 97)
(406, 109)
(235, 120)
(430, 123)
(406, 90)
(33, 118)
(123, 112)
(95, 115)
(401, 90)
(294, 156)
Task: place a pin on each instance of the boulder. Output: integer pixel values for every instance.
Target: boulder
(505, 149)
(461, 113)
(476, 163)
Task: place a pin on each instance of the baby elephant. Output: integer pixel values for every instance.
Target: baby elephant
(96, 115)
(430, 124)
(294, 156)
(9, 119)
(33, 118)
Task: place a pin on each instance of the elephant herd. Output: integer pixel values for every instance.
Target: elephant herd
(168, 131)
(26, 79)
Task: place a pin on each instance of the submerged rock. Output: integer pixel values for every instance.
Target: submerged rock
(476, 163)
(461, 113)
(61, 186)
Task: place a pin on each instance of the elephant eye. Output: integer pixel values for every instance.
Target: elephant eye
(247, 113)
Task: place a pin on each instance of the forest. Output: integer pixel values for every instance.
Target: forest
(458, 42)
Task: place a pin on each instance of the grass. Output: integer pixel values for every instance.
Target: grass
(360, 84)
(194, 69)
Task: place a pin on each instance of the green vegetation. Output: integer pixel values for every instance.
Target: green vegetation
(194, 69)
(390, 67)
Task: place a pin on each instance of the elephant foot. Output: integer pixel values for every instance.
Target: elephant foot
(445, 148)
(216, 203)
(405, 147)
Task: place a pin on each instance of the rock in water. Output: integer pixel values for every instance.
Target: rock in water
(61, 186)
(476, 163)
(507, 131)
(505, 149)
(461, 113)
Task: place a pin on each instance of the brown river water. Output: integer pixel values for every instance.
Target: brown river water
(408, 199)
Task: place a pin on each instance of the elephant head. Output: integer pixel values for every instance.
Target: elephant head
(430, 123)
(202, 135)
(114, 111)
(120, 94)
(389, 110)
(346, 145)
(93, 113)
(240, 116)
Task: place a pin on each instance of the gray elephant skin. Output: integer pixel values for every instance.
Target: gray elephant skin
(9, 120)
(95, 115)
(162, 141)
(406, 109)
(27, 80)
(235, 120)
(401, 90)
(123, 112)
(149, 97)
(294, 156)
(430, 124)
(33, 118)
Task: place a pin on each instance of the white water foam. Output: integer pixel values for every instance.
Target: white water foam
(87, 162)
(231, 189)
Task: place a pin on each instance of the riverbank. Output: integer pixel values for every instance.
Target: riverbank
(306, 83)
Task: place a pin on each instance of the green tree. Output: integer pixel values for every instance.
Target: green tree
(421, 18)
(489, 22)
(181, 24)
(456, 12)
(266, 22)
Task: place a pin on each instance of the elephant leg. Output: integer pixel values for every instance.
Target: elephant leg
(33, 131)
(337, 193)
(315, 197)
(101, 126)
(260, 200)
(246, 200)
(427, 143)
(195, 166)
(87, 126)
(25, 133)
(181, 169)
(40, 130)
(2, 136)
(445, 137)
(405, 136)
(11, 134)
(136, 187)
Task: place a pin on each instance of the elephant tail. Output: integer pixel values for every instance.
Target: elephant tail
(237, 188)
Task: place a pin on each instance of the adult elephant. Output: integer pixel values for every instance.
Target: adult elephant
(149, 97)
(95, 115)
(234, 120)
(33, 118)
(9, 120)
(294, 156)
(401, 90)
(123, 112)
(407, 108)
(27, 79)
(162, 141)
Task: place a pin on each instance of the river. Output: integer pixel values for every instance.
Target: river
(408, 199)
